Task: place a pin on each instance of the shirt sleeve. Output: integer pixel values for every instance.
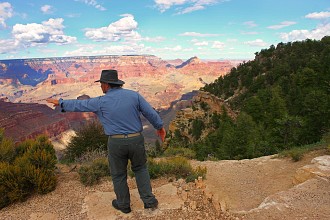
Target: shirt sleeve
(75, 105)
(149, 113)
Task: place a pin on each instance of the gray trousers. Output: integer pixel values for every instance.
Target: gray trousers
(120, 150)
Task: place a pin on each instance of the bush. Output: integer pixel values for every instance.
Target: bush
(7, 149)
(92, 155)
(14, 185)
(326, 140)
(176, 166)
(297, 153)
(90, 137)
(91, 173)
(180, 151)
(31, 168)
(41, 154)
(154, 151)
(198, 172)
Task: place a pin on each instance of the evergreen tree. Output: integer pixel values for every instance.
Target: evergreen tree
(284, 93)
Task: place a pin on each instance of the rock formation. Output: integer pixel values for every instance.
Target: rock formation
(35, 80)
(202, 106)
(23, 121)
(20, 78)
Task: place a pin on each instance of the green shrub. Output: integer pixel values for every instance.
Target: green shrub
(88, 138)
(23, 147)
(31, 170)
(179, 151)
(4, 199)
(198, 172)
(91, 173)
(15, 184)
(297, 153)
(7, 150)
(176, 166)
(91, 155)
(154, 151)
(129, 170)
(44, 181)
(326, 140)
(42, 154)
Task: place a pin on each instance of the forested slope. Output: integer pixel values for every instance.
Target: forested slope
(282, 100)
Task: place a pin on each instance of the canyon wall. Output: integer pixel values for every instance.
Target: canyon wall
(30, 81)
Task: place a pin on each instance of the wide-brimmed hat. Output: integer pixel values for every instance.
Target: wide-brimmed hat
(110, 76)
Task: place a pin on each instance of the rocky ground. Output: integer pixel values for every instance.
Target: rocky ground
(261, 188)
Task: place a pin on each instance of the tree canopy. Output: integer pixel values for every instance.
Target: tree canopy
(282, 97)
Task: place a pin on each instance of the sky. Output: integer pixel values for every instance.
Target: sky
(169, 29)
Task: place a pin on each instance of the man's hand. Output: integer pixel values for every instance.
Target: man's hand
(161, 133)
(53, 101)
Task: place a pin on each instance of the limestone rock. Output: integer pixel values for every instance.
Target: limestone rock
(320, 167)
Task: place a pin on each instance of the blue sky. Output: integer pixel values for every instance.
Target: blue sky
(169, 29)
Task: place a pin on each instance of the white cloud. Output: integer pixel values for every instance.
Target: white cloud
(188, 5)
(163, 5)
(33, 34)
(187, 49)
(93, 3)
(6, 11)
(73, 15)
(88, 50)
(250, 24)
(249, 33)
(218, 45)
(256, 43)
(123, 29)
(319, 15)
(7, 46)
(297, 35)
(83, 50)
(175, 49)
(46, 9)
(202, 43)
(282, 25)
(192, 8)
(195, 34)
(154, 39)
(125, 49)
(232, 40)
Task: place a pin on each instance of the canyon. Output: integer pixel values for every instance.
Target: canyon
(25, 84)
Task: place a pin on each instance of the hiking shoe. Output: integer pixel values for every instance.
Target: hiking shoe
(152, 206)
(124, 210)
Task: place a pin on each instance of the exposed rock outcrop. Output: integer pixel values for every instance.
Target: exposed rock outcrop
(202, 107)
(35, 80)
(309, 198)
(23, 121)
(256, 189)
(83, 69)
(319, 168)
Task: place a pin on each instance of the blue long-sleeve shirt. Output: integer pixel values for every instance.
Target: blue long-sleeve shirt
(118, 110)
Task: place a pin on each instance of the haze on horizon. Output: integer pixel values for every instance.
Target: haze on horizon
(169, 29)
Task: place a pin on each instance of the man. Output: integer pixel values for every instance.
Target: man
(119, 112)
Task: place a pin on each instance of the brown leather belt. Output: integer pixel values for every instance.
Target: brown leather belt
(125, 135)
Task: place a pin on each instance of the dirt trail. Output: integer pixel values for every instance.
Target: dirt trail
(245, 187)
(260, 188)
(244, 184)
